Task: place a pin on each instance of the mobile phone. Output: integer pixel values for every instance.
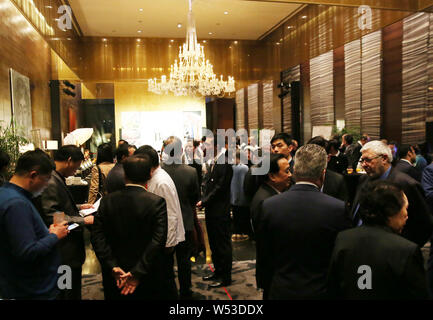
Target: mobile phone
(73, 226)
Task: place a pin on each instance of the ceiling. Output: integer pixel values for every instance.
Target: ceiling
(246, 20)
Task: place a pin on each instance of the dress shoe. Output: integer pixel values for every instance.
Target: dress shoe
(210, 277)
(219, 284)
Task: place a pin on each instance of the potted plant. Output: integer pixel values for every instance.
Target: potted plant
(11, 138)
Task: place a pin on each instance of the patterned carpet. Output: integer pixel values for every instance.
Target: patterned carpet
(243, 285)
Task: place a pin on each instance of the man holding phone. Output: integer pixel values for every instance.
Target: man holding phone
(28, 257)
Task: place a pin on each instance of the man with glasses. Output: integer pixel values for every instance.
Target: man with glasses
(376, 161)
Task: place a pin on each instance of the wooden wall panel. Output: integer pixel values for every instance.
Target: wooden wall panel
(352, 89)
(19, 43)
(290, 75)
(415, 77)
(339, 74)
(429, 109)
(306, 127)
(268, 102)
(371, 84)
(240, 109)
(253, 106)
(322, 90)
(392, 81)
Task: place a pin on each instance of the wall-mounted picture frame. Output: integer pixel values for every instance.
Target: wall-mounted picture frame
(21, 101)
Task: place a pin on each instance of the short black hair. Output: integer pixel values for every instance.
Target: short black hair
(320, 141)
(349, 139)
(122, 151)
(105, 153)
(380, 200)
(68, 151)
(403, 150)
(4, 159)
(273, 163)
(333, 144)
(153, 155)
(124, 141)
(36, 160)
(137, 168)
(287, 138)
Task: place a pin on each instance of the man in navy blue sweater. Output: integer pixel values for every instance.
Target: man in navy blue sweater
(28, 256)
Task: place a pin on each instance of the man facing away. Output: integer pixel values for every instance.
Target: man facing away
(187, 186)
(29, 260)
(57, 198)
(300, 227)
(162, 185)
(129, 237)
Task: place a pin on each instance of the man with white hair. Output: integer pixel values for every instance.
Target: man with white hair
(376, 161)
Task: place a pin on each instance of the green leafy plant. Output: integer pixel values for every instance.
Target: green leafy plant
(11, 138)
(355, 132)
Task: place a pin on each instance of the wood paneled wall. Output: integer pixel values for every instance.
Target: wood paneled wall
(24, 50)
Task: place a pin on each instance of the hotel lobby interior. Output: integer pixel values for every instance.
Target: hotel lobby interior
(302, 67)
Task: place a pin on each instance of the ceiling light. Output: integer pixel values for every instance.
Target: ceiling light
(192, 74)
(104, 40)
(204, 41)
(290, 27)
(226, 12)
(69, 39)
(277, 43)
(179, 25)
(236, 42)
(141, 9)
(139, 31)
(48, 7)
(210, 33)
(138, 40)
(304, 17)
(172, 40)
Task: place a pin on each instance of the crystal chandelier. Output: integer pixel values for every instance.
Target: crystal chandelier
(192, 74)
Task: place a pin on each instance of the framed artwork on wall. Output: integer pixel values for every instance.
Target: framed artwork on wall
(21, 102)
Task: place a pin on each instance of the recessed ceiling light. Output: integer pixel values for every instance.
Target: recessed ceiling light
(204, 41)
(236, 42)
(138, 40)
(290, 27)
(226, 12)
(210, 33)
(304, 17)
(104, 40)
(141, 9)
(139, 31)
(179, 25)
(49, 7)
(277, 43)
(171, 40)
(69, 39)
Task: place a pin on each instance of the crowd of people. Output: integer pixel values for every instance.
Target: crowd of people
(314, 239)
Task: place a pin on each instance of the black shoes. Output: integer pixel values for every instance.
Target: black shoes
(211, 277)
(219, 284)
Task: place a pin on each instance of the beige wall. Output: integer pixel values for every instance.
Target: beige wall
(133, 96)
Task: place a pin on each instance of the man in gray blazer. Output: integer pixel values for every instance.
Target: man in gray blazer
(57, 198)
(186, 182)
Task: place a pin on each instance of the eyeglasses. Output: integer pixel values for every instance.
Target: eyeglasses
(367, 160)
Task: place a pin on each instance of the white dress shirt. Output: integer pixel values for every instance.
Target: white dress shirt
(162, 185)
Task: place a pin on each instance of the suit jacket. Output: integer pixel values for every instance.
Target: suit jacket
(115, 179)
(411, 171)
(130, 232)
(300, 227)
(427, 184)
(338, 164)
(419, 225)
(353, 152)
(335, 186)
(216, 193)
(56, 197)
(263, 271)
(186, 182)
(397, 267)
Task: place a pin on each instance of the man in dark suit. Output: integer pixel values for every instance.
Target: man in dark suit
(129, 236)
(406, 164)
(116, 177)
(186, 182)
(57, 198)
(334, 184)
(300, 227)
(276, 181)
(216, 201)
(427, 184)
(338, 162)
(376, 160)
